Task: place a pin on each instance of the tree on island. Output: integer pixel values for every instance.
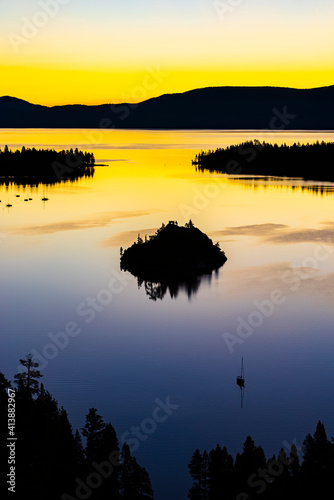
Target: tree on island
(174, 255)
(177, 249)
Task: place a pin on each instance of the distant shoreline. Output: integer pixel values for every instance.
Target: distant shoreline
(211, 108)
(313, 161)
(47, 166)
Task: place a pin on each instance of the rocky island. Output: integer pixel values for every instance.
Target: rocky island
(174, 253)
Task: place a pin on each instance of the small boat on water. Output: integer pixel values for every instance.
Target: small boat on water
(241, 378)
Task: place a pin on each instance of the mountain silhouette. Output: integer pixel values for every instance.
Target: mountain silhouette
(275, 108)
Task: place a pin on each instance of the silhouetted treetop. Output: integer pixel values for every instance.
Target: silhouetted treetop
(135, 483)
(27, 381)
(174, 252)
(308, 161)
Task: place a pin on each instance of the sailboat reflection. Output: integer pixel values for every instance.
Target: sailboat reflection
(241, 382)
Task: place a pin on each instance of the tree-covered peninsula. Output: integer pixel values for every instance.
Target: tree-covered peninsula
(307, 161)
(33, 166)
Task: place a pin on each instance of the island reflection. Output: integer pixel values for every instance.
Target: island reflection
(175, 258)
(158, 290)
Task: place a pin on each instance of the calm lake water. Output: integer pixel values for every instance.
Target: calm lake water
(102, 342)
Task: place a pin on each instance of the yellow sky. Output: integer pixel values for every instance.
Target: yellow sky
(89, 59)
(56, 86)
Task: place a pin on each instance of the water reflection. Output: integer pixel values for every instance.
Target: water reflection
(241, 382)
(279, 184)
(45, 180)
(190, 286)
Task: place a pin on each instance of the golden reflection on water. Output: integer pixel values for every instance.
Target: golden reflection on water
(150, 172)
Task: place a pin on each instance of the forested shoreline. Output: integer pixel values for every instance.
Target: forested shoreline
(49, 460)
(307, 161)
(53, 461)
(293, 473)
(33, 166)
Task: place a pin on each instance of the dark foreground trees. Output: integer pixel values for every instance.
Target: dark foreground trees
(49, 458)
(216, 476)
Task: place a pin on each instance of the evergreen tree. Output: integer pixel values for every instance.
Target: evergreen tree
(46, 451)
(79, 452)
(4, 385)
(318, 461)
(66, 463)
(294, 465)
(27, 381)
(198, 468)
(221, 473)
(279, 481)
(135, 482)
(50, 460)
(92, 431)
(109, 452)
(205, 484)
(294, 472)
(250, 460)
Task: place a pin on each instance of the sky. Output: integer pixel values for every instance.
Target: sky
(56, 52)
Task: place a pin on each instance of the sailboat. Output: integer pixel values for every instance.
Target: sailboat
(241, 378)
(241, 382)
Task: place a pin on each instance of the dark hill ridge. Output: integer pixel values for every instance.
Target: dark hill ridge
(173, 253)
(274, 108)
